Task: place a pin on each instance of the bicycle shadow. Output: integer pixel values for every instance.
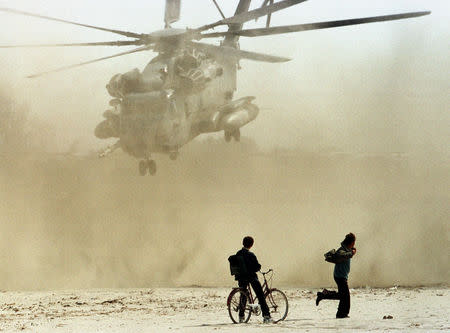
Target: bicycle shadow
(233, 324)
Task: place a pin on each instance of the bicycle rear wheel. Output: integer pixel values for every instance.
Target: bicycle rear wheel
(278, 304)
(238, 306)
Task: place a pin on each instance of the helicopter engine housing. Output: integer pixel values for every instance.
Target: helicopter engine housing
(133, 82)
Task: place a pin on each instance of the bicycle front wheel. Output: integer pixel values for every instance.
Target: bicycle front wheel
(278, 304)
(238, 306)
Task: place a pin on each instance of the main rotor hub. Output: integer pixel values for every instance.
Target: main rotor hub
(168, 33)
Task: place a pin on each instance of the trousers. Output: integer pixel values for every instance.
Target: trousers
(256, 285)
(343, 295)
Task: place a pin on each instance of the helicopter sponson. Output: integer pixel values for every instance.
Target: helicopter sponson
(234, 115)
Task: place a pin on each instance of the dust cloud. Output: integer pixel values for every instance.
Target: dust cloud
(366, 153)
(83, 222)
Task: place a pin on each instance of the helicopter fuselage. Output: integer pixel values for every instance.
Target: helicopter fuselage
(188, 88)
(176, 98)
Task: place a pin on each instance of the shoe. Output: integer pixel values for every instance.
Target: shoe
(241, 320)
(319, 298)
(268, 320)
(342, 317)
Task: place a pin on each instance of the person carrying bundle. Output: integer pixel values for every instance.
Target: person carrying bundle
(341, 258)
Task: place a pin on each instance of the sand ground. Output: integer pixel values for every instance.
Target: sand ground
(424, 309)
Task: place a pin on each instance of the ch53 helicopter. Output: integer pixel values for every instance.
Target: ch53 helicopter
(188, 88)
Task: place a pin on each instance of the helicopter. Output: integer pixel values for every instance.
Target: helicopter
(187, 89)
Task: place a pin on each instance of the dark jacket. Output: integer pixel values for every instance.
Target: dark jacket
(251, 263)
(342, 268)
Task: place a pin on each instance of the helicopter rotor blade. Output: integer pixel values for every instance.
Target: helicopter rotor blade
(314, 26)
(236, 53)
(119, 32)
(269, 17)
(139, 49)
(112, 43)
(252, 14)
(219, 9)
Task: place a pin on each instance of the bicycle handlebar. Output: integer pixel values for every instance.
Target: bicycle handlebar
(264, 273)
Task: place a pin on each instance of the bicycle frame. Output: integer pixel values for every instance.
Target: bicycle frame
(246, 301)
(265, 287)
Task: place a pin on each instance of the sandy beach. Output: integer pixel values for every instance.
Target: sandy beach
(424, 309)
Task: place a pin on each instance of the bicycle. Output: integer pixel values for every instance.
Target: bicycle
(242, 299)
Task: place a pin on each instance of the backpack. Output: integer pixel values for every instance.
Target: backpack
(237, 265)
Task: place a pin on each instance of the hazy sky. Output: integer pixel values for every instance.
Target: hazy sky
(327, 95)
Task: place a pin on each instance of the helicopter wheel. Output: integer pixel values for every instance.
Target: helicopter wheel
(237, 135)
(143, 167)
(173, 155)
(151, 164)
(227, 136)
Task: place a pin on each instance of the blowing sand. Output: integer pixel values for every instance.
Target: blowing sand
(80, 222)
(83, 222)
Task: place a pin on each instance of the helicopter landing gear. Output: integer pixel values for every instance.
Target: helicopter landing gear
(236, 135)
(227, 136)
(145, 165)
(173, 155)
